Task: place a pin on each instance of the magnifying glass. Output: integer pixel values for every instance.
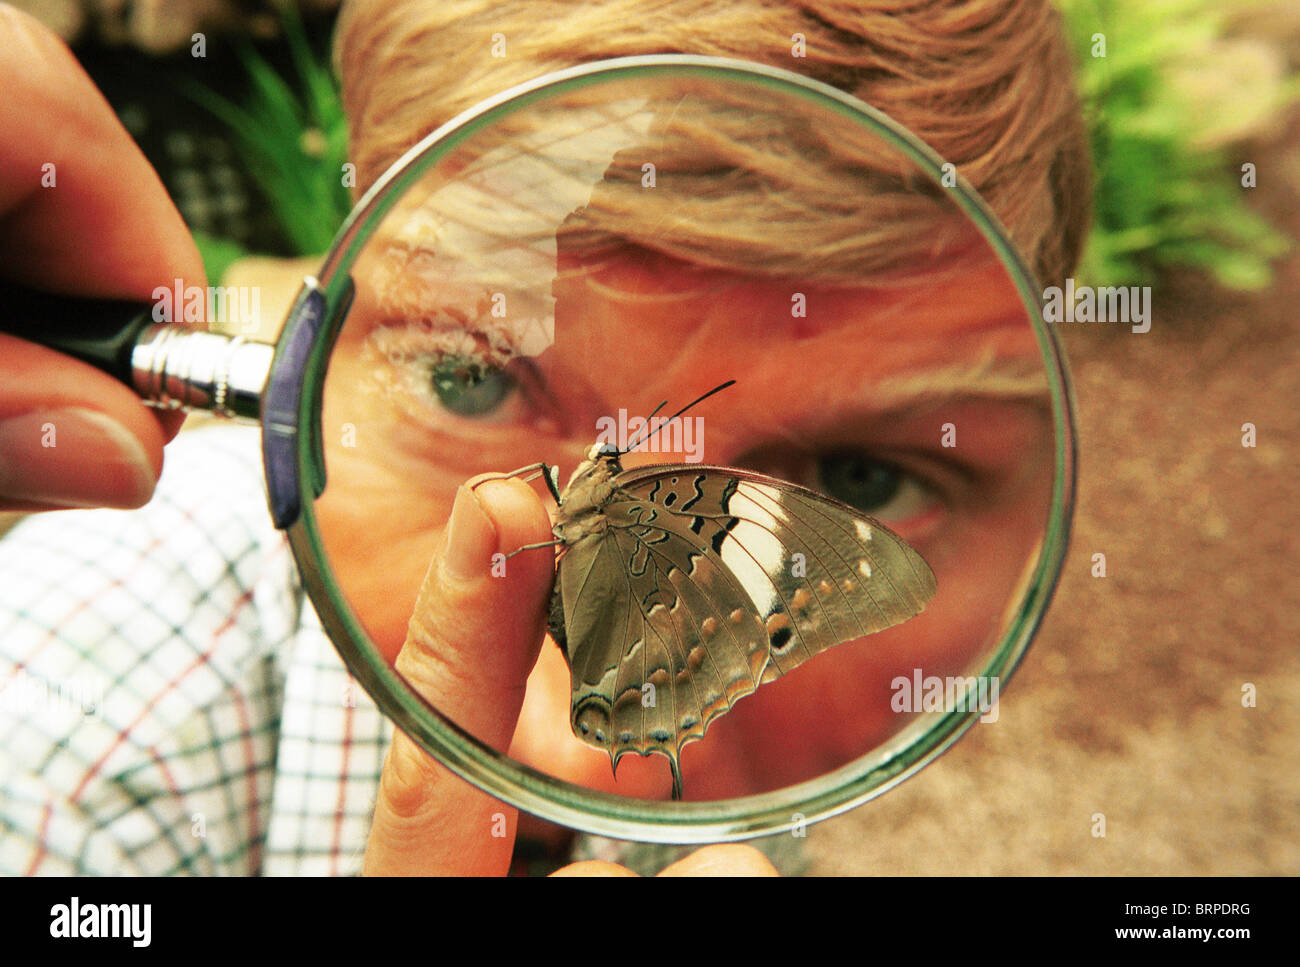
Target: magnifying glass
(818, 577)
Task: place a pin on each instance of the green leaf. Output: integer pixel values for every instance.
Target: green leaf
(292, 144)
(218, 254)
(1160, 200)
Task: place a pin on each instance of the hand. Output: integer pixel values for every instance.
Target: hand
(71, 436)
(472, 642)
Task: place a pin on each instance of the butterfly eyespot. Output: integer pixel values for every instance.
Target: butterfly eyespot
(825, 587)
(848, 585)
(658, 678)
(586, 729)
(626, 737)
(695, 659)
(864, 568)
(737, 616)
(689, 722)
(777, 622)
(601, 737)
(660, 735)
(800, 600)
(781, 638)
(708, 628)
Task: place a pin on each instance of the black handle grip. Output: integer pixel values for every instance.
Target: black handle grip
(101, 332)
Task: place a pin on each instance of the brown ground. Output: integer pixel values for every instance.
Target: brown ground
(1129, 703)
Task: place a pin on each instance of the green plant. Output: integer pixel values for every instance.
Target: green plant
(217, 254)
(1166, 192)
(294, 145)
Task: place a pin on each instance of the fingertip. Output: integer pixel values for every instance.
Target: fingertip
(515, 508)
(479, 620)
(471, 537)
(171, 422)
(724, 859)
(593, 868)
(71, 436)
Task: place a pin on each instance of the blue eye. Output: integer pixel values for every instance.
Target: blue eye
(883, 490)
(469, 387)
(859, 480)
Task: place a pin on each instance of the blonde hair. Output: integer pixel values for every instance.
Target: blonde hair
(986, 83)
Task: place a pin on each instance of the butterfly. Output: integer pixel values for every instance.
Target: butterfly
(681, 588)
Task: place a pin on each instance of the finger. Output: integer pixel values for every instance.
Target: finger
(99, 222)
(81, 213)
(728, 859)
(593, 868)
(71, 436)
(471, 643)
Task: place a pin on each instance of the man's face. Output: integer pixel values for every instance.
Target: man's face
(914, 403)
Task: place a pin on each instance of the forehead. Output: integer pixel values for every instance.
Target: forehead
(636, 331)
(640, 327)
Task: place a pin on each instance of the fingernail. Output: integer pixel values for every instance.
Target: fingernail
(471, 538)
(73, 457)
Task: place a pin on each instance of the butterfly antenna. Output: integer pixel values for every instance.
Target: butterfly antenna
(649, 432)
(635, 443)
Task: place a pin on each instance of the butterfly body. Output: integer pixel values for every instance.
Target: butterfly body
(683, 587)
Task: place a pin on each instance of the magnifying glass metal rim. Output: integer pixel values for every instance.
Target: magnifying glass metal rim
(295, 476)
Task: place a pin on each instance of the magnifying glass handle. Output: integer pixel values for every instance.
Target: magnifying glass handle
(171, 365)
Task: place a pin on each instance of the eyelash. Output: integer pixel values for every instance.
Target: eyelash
(404, 357)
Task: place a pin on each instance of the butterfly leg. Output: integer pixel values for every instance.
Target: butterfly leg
(531, 547)
(533, 471)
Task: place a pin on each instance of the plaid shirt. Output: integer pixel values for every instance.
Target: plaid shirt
(170, 704)
(168, 700)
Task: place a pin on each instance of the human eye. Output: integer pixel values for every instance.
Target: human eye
(879, 488)
(449, 379)
(470, 387)
(896, 466)
(910, 495)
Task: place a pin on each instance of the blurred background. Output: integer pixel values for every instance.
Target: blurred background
(1129, 707)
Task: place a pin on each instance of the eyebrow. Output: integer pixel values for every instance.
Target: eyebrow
(988, 376)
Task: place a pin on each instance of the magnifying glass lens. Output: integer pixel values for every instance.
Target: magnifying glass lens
(847, 535)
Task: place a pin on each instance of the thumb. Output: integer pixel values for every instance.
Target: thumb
(472, 641)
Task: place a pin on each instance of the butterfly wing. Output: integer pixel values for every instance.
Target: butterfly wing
(661, 639)
(708, 581)
(817, 571)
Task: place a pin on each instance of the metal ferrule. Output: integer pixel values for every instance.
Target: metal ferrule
(178, 368)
